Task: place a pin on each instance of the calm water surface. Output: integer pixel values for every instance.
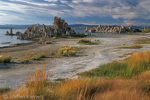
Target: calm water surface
(10, 40)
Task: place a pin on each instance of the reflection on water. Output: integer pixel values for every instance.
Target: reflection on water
(10, 40)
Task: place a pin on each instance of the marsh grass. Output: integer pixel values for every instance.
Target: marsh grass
(39, 56)
(67, 51)
(132, 47)
(134, 65)
(142, 41)
(48, 42)
(5, 59)
(83, 89)
(120, 80)
(146, 31)
(87, 42)
(4, 90)
(27, 58)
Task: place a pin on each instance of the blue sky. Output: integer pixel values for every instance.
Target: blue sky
(106, 12)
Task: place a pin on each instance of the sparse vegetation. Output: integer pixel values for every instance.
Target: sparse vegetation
(143, 41)
(67, 51)
(39, 56)
(5, 59)
(27, 58)
(86, 42)
(134, 65)
(146, 31)
(48, 42)
(83, 89)
(132, 47)
(4, 90)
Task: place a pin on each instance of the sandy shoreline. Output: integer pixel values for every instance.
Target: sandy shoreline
(12, 75)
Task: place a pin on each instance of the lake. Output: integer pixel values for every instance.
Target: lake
(10, 40)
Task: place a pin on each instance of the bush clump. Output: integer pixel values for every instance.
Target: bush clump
(5, 59)
(133, 47)
(67, 51)
(39, 56)
(86, 42)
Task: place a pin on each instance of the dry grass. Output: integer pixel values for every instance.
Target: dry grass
(142, 41)
(82, 89)
(132, 47)
(39, 56)
(47, 42)
(27, 58)
(93, 88)
(67, 51)
(87, 42)
(134, 65)
(5, 59)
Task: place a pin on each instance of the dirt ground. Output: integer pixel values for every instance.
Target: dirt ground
(14, 74)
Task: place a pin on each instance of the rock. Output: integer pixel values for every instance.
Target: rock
(61, 27)
(92, 30)
(86, 30)
(7, 33)
(103, 29)
(11, 32)
(18, 33)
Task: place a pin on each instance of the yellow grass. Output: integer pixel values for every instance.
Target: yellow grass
(82, 89)
(67, 51)
(97, 88)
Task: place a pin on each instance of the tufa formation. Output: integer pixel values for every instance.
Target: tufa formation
(103, 29)
(59, 27)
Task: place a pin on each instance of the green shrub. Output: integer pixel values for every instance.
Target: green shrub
(86, 42)
(6, 59)
(146, 31)
(67, 51)
(4, 90)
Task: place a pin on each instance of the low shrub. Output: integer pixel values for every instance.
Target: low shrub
(39, 56)
(146, 31)
(67, 51)
(27, 58)
(143, 41)
(4, 90)
(133, 47)
(86, 42)
(48, 42)
(5, 59)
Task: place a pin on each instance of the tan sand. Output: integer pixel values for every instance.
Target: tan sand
(14, 74)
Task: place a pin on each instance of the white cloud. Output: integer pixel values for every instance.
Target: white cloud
(80, 8)
(51, 0)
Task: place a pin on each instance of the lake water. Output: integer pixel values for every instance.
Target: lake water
(10, 40)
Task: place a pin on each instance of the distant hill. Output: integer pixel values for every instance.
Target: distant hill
(72, 25)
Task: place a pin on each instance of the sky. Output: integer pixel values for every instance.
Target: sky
(91, 12)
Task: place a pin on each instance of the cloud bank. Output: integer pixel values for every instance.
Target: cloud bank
(128, 10)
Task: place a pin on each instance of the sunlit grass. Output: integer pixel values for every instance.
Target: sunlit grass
(134, 65)
(82, 89)
(142, 41)
(120, 80)
(87, 42)
(5, 59)
(67, 51)
(132, 47)
(39, 56)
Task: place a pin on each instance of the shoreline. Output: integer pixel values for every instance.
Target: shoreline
(65, 67)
